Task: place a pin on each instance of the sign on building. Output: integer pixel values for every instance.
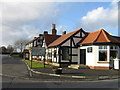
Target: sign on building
(38, 51)
(89, 50)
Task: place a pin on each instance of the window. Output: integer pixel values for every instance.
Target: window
(40, 41)
(65, 53)
(103, 53)
(49, 54)
(102, 47)
(113, 52)
(55, 53)
(113, 48)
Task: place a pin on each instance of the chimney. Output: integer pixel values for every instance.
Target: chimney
(53, 26)
(45, 32)
(54, 31)
(64, 32)
(34, 37)
(40, 35)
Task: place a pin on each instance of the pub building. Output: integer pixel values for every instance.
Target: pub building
(95, 50)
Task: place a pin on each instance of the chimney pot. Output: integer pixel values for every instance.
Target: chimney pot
(64, 32)
(40, 35)
(45, 32)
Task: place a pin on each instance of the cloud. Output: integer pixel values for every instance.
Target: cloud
(101, 18)
(25, 19)
(22, 12)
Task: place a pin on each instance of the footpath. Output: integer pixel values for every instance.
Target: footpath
(84, 74)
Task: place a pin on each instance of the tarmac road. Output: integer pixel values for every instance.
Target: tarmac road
(16, 75)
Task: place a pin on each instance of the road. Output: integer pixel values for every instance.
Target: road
(16, 75)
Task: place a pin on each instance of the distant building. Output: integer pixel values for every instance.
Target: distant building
(95, 49)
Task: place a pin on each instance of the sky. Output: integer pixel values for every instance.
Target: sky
(19, 20)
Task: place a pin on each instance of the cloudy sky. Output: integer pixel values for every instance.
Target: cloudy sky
(28, 19)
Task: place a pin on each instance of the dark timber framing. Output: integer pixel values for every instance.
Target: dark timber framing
(56, 53)
(59, 53)
(71, 40)
(72, 45)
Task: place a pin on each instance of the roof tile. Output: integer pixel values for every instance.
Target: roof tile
(50, 38)
(99, 36)
(63, 38)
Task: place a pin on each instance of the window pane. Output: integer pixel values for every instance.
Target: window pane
(65, 53)
(115, 47)
(105, 47)
(113, 54)
(102, 55)
(111, 47)
(54, 53)
(100, 47)
(49, 54)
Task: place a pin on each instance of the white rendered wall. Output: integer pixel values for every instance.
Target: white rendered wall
(92, 59)
(78, 34)
(55, 59)
(76, 40)
(67, 43)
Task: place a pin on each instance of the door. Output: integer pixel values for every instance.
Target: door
(83, 56)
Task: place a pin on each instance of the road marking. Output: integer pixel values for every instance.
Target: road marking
(54, 74)
(104, 77)
(78, 76)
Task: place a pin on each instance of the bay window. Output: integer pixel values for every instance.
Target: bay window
(103, 53)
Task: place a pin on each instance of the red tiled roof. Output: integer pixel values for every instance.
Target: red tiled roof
(100, 36)
(33, 40)
(118, 38)
(50, 38)
(26, 50)
(63, 38)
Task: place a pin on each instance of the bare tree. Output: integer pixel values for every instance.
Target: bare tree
(10, 49)
(20, 44)
(3, 49)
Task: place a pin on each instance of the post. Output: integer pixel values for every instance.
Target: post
(70, 52)
(31, 62)
(31, 67)
(44, 61)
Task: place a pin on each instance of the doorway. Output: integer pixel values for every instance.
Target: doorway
(83, 56)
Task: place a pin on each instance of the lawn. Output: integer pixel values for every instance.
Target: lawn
(17, 55)
(37, 64)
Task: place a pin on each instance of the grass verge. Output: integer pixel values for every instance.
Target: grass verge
(37, 64)
(17, 55)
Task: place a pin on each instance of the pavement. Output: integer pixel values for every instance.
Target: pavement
(85, 74)
(15, 74)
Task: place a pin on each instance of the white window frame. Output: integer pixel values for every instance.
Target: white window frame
(114, 49)
(103, 49)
